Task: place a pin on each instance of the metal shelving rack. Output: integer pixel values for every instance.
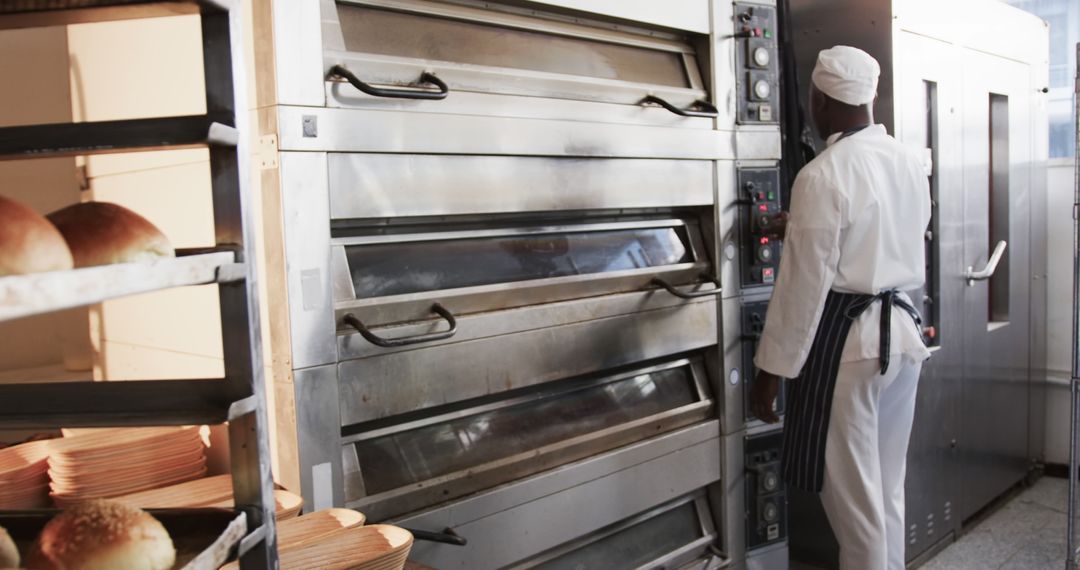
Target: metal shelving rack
(239, 397)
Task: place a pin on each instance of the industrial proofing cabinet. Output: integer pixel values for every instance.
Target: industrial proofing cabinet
(962, 81)
(515, 243)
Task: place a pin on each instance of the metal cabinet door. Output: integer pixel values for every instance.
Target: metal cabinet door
(927, 119)
(997, 186)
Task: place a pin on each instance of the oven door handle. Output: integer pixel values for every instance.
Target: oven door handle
(698, 108)
(447, 536)
(351, 320)
(689, 294)
(425, 77)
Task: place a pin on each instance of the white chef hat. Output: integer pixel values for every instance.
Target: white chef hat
(847, 74)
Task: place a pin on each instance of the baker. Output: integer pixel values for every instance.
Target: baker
(839, 324)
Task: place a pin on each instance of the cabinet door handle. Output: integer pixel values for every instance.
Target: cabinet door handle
(351, 320)
(688, 294)
(991, 265)
(425, 79)
(696, 109)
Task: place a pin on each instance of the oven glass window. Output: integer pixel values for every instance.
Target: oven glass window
(407, 457)
(399, 268)
(401, 34)
(635, 545)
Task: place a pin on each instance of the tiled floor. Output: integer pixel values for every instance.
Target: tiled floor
(1027, 533)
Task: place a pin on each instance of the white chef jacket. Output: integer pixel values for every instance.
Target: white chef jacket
(859, 213)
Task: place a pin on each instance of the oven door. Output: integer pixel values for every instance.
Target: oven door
(487, 442)
(390, 279)
(673, 535)
(442, 57)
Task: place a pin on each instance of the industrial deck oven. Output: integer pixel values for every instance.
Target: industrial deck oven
(509, 235)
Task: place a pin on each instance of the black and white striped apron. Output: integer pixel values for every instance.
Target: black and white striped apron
(806, 425)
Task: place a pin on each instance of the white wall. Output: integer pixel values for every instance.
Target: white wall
(1059, 182)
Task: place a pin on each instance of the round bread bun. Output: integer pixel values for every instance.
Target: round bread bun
(9, 555)
(101, 233)
(28, 242)
(102, 535)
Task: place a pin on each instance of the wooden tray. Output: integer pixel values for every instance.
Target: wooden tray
(376, 547)
(204, 538)
(311, 526)
(21, 461)
(199, 492)
(65, 499)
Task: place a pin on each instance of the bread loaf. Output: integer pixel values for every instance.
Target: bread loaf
(102, 535)
(9, 555)
(28, 242)
(101, 233)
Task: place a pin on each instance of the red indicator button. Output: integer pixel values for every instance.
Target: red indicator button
(763, 207)
(757, 32)
(764, 241)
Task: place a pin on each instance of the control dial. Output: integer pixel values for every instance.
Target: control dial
(764, 253)
(770, 481)
(770, 512)
(761, 57)
(762, 89)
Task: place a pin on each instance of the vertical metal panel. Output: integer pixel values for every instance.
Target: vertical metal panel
(932, 482)
(318, 435)
(719, 60)
(690, 15)
(306, 217)
(298, 51)
(993, 443)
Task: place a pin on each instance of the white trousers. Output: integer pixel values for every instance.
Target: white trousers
(866, 461)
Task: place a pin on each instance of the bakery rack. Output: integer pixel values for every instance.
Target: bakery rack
(239, 397)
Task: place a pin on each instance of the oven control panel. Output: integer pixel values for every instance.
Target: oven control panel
(753, 323)
(757, 62)
(766, 501)
(759, 190)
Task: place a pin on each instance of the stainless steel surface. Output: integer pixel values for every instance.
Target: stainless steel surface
(728, 497)
(444, 457)
(768, 558)
(971, 437)
(362, 130)
(588, 495)
(305, 211)
(996, 369)
(374, 186)
(1073, 509)
(988, 270)
(318, 434)
(463, 368)
(524, 144)
(511, 268)
(689, 15)
(666, 536)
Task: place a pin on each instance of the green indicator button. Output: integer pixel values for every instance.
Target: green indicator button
(772, 195)
(768, 33)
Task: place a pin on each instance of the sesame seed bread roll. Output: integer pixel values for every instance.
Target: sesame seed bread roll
(102, 535)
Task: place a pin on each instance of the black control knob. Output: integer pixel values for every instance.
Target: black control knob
(750, 185)
(764, 253)
(770, 512)
(770, 481)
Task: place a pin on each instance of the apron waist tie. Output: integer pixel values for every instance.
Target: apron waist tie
(889, 299)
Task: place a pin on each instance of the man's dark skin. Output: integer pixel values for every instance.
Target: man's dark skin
(829, 116)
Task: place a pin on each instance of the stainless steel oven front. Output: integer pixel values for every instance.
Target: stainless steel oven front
(500, 228)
